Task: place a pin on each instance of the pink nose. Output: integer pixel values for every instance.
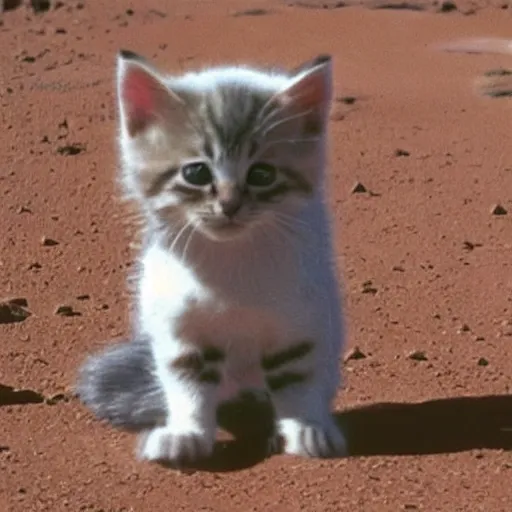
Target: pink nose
(230, 207)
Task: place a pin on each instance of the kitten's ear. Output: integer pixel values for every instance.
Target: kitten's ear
(309, 92)
(143, 98)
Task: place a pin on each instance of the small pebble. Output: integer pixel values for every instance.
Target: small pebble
(417, 355)
(65, 310)
(469, 246)
(368, 287)
(497, 209)
(348, 100)
(359, 188)
(19, 301)
(448, 6)
(58, 397)
(48, 242)
(354, 354)
(12, 312)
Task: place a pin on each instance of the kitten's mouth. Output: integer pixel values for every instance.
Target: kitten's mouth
(221, 229)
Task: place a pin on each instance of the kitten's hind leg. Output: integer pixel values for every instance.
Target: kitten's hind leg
(302, 405)
(190, 381)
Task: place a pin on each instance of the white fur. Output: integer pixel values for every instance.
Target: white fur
(209, 79)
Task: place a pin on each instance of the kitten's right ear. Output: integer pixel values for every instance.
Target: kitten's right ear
(144, 100)
(307, 96)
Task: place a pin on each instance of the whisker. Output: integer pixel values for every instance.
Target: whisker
(285, 120)
(283, 235)
(293, 220)
(187, 243)
(265, 116)
(179, 234)
(283, 226)
(274, 112)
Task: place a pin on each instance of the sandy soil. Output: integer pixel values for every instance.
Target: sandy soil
(426, 262)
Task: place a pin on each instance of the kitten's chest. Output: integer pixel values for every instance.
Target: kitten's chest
(247, 309)
(240, 304)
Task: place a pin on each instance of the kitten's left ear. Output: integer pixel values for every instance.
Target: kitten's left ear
(310, 92)
(144, 98)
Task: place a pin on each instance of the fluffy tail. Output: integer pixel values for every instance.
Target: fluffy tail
(119, 385)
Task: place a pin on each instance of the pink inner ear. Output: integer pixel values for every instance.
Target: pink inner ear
(139, 90)
(310, 92)
(140, 94)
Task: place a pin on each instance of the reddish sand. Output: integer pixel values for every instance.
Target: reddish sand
(427, 266)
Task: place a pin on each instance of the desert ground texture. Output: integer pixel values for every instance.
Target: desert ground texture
(421, 194)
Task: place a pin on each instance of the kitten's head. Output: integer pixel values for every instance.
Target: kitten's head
(224, 149)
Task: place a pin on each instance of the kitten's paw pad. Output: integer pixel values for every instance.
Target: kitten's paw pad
(163, 445)
(312, 439)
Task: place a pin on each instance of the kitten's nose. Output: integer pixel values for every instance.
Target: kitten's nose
(230, 207)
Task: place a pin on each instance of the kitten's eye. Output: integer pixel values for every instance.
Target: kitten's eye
(198, 174)
(261, 175)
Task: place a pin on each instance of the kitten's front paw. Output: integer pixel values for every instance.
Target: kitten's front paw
(177, 448)
(310, 439)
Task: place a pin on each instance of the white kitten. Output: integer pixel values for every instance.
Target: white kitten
(237, 291)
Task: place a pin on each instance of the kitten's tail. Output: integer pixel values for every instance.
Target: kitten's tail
(119, 385)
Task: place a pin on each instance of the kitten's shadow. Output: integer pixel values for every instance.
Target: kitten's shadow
(437, 426)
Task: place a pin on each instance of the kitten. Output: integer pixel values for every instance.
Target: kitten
(238, 290)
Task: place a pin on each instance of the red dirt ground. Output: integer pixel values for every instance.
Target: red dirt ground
(436, 159)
